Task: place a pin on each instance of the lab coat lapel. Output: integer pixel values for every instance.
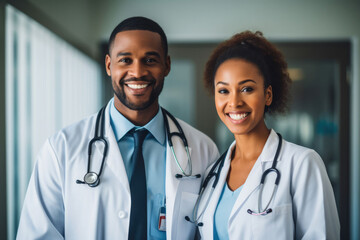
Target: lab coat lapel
(251, 184)
(208, 216)
(114, 161)
(253, 180)
(172, 183)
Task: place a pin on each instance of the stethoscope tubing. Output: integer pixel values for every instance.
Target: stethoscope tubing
(219, 163)
(181, 135)
(92, 179)
(212, 174)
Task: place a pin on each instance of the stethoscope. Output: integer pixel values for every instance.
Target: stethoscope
(92, 179)
(219, 165)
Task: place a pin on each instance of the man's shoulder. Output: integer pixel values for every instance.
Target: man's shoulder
(75, 130)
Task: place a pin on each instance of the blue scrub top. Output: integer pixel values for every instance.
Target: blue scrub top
(222, 213)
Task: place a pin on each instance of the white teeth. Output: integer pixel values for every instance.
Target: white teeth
(238, 116)
(137, 86)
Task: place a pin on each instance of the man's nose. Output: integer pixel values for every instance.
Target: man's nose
(137, 70)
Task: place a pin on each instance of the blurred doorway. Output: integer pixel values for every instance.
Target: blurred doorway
(318, 116)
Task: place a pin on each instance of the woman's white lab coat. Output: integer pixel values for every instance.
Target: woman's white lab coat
(303, 207)
(56, 207)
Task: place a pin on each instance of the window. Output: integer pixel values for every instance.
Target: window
(49, 84)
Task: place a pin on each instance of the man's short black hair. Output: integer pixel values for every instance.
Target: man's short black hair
(139, 23)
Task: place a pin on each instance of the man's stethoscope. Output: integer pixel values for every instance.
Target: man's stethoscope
(93, 179)
(219, 165)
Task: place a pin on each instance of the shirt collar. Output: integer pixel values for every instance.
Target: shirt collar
(121, 125)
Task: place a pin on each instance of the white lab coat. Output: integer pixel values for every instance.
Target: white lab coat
(56, 207)
(303, 207)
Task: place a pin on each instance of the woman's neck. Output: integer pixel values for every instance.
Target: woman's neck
(249, 146)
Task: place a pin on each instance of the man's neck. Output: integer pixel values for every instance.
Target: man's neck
(137, 117)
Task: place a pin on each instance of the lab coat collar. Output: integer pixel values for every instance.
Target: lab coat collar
(269, 150)
(115, 163)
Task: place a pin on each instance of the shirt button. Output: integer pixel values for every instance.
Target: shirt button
(122, 214)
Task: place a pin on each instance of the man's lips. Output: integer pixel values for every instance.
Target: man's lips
(137, 83)
(137, 86)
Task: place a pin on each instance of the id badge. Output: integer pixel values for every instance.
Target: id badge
(162, 219)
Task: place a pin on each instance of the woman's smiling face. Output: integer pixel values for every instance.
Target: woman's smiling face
(240, 96)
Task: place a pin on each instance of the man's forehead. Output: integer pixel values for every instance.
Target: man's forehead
(137, 40)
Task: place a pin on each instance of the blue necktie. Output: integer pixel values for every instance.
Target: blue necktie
(138, 189)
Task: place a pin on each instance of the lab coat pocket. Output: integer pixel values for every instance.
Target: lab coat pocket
(186, 229)
(276, 225)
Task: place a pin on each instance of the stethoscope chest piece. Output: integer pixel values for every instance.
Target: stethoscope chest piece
(91, 179)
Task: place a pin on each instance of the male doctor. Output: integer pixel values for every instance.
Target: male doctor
(141, 191)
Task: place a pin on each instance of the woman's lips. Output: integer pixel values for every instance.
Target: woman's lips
(238, 116)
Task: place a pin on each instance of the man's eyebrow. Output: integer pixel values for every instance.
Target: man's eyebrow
(123, 54)
(152, 53)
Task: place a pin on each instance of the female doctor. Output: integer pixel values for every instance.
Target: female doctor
(249, 78)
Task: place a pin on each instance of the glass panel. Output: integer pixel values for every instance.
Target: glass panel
(313, 116)
(49, 84)
(179, 92)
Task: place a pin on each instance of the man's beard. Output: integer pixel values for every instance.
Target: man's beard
(120, 93)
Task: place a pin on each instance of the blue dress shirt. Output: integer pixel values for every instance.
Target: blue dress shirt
(223, 211)
(154, 153)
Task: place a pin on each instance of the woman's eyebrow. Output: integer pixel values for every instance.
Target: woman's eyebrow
(240, 83)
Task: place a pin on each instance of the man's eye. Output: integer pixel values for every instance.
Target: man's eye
(125, 60)
(150, 60)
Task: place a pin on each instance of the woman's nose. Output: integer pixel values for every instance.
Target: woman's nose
(235, 100)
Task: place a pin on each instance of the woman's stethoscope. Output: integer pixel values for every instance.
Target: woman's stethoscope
(93, 179)
(219, 165)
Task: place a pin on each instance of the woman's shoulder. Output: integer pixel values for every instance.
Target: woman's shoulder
(301, 157)
(297, 150)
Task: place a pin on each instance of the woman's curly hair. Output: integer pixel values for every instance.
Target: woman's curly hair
(253, 47)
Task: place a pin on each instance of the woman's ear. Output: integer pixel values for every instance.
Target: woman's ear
(268, 96)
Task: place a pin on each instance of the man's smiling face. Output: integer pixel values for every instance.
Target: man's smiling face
(137, 66)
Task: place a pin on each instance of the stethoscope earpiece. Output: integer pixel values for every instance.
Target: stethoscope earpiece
(199, 224)
(178, 176)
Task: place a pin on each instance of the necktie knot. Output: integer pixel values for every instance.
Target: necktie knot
(139, 136)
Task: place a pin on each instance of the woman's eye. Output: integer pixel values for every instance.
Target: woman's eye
(223, 91)
(247, 89)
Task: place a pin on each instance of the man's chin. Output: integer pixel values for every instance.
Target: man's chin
(137, 106)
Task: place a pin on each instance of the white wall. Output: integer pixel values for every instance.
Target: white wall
(213, 20)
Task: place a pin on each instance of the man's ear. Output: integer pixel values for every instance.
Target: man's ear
(107, 64)
(268, 96)
(167, 65)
